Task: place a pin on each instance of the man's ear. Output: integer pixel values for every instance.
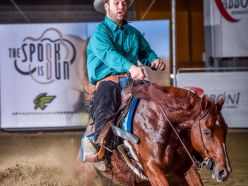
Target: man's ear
(106, 6)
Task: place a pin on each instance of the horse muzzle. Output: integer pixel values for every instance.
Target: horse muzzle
(220, 175)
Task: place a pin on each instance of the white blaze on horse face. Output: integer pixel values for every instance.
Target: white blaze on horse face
(227, 160)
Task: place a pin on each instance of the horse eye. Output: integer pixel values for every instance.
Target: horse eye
(207, 133)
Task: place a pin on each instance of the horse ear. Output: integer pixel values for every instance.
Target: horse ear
(204, 103)
(221, 102)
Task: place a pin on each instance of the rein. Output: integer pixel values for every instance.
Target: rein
(208, 162)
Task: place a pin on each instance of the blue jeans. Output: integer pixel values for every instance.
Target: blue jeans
(125, 81)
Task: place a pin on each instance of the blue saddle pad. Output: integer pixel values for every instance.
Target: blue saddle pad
(127, 123)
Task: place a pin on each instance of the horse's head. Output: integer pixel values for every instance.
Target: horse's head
(208, 136)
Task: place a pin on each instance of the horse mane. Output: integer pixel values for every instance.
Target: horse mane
(172, 98)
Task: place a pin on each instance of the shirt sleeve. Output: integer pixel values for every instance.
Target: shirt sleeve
(104, 49)
(146, 54)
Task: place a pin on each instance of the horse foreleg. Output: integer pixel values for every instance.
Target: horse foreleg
(193, 178)
(155, 174)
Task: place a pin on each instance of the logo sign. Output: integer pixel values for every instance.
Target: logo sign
(46, 58)
(231, 9)
(41, 74)
(42, 100)
(232, 100)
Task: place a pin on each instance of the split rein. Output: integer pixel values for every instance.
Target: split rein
(198, 165)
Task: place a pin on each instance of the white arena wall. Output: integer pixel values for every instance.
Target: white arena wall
(214, 84)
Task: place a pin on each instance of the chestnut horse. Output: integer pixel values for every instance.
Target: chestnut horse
(171, 124)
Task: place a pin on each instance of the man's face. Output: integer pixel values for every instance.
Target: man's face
(116, 9)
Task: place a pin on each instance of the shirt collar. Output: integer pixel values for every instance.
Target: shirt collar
(112, 25)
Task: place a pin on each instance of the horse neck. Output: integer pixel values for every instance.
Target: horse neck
(179, 104)
(181, 115)
(183, 110)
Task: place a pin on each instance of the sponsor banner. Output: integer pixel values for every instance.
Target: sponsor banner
(214, 85)
(41, 74)
(42, 68)
(229, 23)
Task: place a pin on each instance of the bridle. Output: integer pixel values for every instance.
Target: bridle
(208, 160)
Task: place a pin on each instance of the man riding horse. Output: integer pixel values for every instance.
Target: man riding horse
(113, 52)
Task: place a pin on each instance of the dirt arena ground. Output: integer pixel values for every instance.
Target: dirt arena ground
(48, 159)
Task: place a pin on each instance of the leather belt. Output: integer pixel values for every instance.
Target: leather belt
(114, 78)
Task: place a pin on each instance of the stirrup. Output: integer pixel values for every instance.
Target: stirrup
(139, 173)
(89, 152)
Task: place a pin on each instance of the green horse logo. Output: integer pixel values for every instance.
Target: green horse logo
(42, 100)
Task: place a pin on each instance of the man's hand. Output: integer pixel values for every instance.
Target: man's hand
(158, 64)
(137, 73)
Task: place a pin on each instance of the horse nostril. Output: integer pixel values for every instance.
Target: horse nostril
(223, 174)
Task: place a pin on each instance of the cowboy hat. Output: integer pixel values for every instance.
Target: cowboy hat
(99, 5)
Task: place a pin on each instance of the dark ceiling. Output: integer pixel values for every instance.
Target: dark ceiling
(45, 2)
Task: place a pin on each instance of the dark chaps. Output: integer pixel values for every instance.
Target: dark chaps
(106, 101)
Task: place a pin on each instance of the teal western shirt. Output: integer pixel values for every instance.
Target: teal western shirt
(112, 50)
